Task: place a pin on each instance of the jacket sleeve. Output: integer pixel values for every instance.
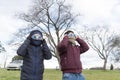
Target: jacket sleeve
(83, 45)
(22, 50)
(63, 45)
(46, 51)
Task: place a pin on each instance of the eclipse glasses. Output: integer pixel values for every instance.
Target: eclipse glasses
(37, 37)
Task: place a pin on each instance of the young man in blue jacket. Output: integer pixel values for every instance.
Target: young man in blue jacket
(69, 52)
(34, 50)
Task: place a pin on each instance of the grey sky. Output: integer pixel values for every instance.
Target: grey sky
(99, 12)
(94, 12)
(8, 22)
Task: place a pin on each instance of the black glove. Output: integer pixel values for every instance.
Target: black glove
(43, 41)
(29, 37)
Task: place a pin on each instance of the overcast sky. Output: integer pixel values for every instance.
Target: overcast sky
(94, 12)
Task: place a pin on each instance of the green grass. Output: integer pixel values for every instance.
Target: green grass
(102, 75)
(51, 74)
(9, 75)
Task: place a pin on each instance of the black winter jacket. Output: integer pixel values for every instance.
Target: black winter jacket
(33, 56)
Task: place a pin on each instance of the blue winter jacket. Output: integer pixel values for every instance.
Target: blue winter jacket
(33, 56)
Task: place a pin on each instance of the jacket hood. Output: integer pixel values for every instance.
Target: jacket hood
(35, 32)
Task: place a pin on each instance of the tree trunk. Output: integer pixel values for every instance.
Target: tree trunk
(5, 58)
(58, 59)
(5, 64)
(105, 64)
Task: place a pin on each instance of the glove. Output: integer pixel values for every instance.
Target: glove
(29, 37)
(43, 41)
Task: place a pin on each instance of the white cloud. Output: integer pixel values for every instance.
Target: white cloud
(96, 12)
(8, 22)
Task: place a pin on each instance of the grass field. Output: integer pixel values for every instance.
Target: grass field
(51, 74)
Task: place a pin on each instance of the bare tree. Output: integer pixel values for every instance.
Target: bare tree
(52, 17)
(2, 49)
(17, 57)
(99, 40)
(116, 51)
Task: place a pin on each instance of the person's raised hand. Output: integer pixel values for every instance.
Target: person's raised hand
(29, 37)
